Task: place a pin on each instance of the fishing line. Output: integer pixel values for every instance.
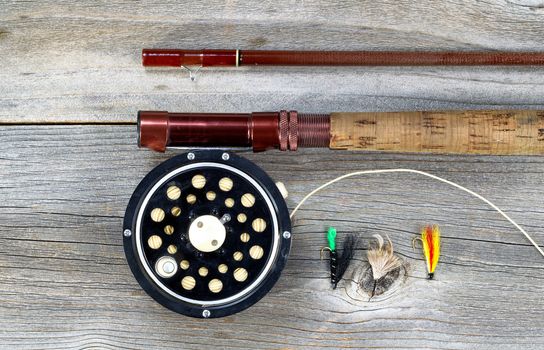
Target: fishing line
(451, 183)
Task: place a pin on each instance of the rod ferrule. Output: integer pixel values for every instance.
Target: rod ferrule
(284, 130)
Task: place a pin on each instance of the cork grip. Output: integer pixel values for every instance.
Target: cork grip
(476, 132)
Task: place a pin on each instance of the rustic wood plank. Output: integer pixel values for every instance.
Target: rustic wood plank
(64, 281)
(80, 61)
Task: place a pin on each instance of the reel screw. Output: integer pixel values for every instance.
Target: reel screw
(127, 233)
(225, 156)
(286, 234)
(190, 156)
(206, 313)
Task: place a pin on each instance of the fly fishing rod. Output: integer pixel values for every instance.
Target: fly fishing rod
(491, 132)
(235, 58)
(207, 233)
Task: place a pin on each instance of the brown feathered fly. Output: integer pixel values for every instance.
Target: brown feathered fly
(382, 259)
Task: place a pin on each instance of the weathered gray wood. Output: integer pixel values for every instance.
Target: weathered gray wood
(64, 281)
(80, 61)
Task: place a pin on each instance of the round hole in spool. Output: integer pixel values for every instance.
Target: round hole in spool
(154, 242)
(176, 211)
(258, 225)
(241, 218)
(223, 268)
(248, 200)
(191, 199)
(203, 271)
(168, 229)
(225, 184)
(215, 285)
(157, 215)
(240, 274)
(229, 202)
(188, 282)
(244, 237)
(256, 252)
(172, 249)
(173, 193)
(238, 256)
(210, 195)
(198, 181)
(184, 264)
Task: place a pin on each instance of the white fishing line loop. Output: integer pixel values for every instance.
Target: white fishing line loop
(451, 183)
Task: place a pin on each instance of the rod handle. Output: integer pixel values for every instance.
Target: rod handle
(512, 132)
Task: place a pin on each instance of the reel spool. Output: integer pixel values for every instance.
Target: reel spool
(207, 233)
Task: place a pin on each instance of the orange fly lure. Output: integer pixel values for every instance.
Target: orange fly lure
(430, 239)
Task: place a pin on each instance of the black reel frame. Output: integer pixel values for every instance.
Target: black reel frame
(170, 294)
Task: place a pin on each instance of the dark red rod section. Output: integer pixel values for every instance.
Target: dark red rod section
(234, 58)
(284, 130)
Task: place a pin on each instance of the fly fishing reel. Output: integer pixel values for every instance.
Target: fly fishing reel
(207, 233)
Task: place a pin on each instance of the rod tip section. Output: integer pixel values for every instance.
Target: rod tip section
(153, 130)
(160, 58)
(178, 58)
(170, 58)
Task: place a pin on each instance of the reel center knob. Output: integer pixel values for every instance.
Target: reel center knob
(207, 233)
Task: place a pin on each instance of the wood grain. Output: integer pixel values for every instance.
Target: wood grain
(64, 281)
(80, 61)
